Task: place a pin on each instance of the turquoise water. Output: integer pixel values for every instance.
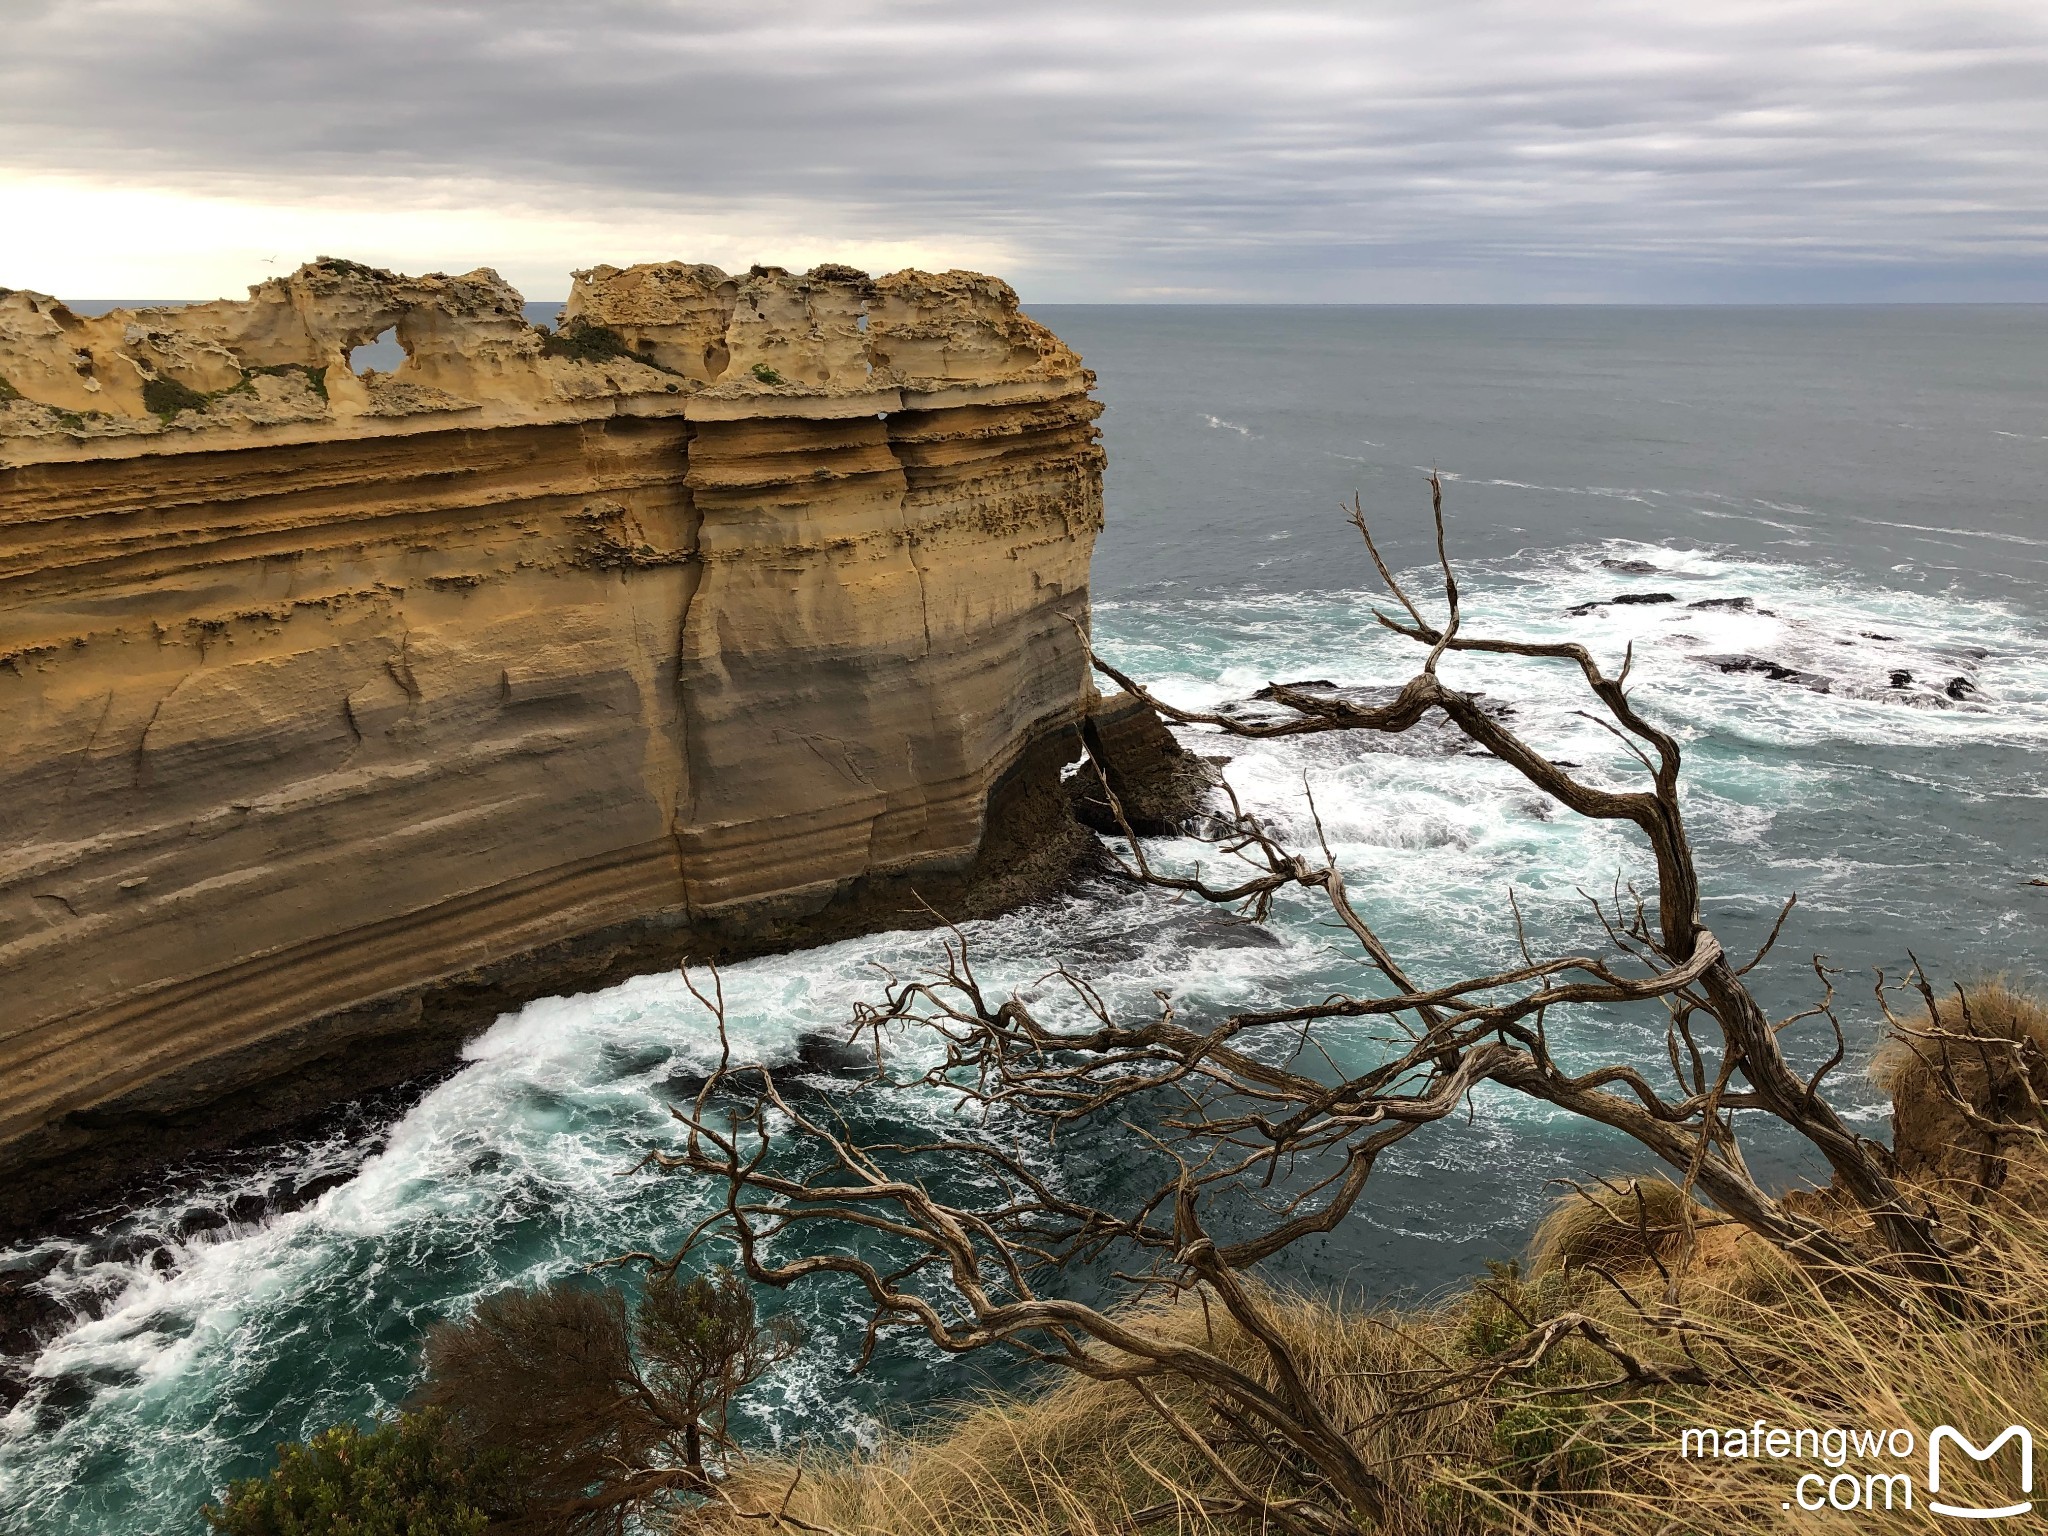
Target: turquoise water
(1869, 480)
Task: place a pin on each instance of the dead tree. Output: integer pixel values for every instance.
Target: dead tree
(1679, 962)
(1249, 1115)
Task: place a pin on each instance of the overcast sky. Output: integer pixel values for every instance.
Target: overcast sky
(1379, 151)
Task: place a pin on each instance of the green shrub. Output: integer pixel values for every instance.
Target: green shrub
(766, 374)
(408, 1477)
(1542, 1446)
(584, 342)
(167, 397)
(605, 1411)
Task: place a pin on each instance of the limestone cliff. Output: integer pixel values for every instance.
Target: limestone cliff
(342, 711)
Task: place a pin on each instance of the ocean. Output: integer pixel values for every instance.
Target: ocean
(1873, 482)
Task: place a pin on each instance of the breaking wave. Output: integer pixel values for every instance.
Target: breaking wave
(1870, 748)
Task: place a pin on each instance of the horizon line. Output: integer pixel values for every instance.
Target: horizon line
(1350, 303)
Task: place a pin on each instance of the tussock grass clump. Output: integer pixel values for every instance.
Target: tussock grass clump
(1619, 1225)
(1968, 1081)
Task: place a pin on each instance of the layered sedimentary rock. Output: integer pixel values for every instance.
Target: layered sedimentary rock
(343, 710)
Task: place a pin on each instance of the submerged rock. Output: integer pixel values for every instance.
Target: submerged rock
(817, 1055)
(1272, 690)
(1624, 600)
(831, 1056)
(1777, 672)
(1218, 930)
(1726, 604)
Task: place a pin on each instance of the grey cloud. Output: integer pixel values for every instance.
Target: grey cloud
(1465, 149)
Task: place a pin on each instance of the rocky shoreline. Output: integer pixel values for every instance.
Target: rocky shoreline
(256, 1143)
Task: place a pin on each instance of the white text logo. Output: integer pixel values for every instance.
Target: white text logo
(1970, 1511)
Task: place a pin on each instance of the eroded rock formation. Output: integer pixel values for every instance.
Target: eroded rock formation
(343, 711)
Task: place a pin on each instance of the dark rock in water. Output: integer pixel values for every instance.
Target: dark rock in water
(247, 1210)
(200, 1219)
(683, 1083)
(1960, 688)
(1624, 599)
(1161, 786)
(126, 1247)
(1630, 567)
(1777, 672)
(27, 1316)
(313, 1189)
(1726, 604)
(1176, 929)
(1902, 679)
(816, 1054)
(1868, 635)
(253, 1207)
(1272, 690)
(834, 1057)
(1218, 932)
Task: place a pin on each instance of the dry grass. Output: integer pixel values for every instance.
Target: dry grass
(1958, 1052)
(1548, 1448)
(1907, 1066)
(1619, 1223)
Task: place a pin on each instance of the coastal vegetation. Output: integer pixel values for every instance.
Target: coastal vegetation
(566, 1409)
(1909, 1292)
(166, 397)
(1493, 1409)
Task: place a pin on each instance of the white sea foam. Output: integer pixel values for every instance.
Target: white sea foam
(200, 1351)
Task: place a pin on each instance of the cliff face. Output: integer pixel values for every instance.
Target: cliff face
(343, 711)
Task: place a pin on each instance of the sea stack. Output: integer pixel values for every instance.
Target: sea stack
(345, 710)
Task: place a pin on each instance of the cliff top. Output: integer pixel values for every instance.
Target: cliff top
(662, 338)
